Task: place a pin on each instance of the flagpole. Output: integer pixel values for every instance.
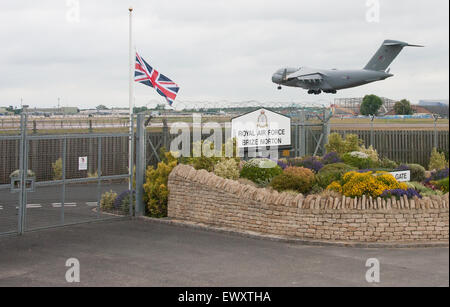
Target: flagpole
(131, 104)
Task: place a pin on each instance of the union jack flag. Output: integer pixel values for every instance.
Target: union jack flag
(149, 76)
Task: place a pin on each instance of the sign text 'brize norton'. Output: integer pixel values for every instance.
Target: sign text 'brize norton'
(261, 128)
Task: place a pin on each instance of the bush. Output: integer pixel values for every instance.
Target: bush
(354, 184)
(443, 185)
(313, 163)
(227, 168)
(203, 163)
(331, 158)
(417, 171)
(438, 175)
(156, 190)
(293, 178)
(332, 172)
(57, 169)
(437, 161)
(107, 200)
(387, 164)
(359, 160)
(423, 190)
(260, 171)
(342, 146)
(283, 163)
(370, 152)
(122, 202)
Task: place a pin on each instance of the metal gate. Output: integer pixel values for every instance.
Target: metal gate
(59, 179)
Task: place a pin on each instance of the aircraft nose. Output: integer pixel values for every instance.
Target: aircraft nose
(276, 78)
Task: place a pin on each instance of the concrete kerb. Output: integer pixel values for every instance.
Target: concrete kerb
(261, 236)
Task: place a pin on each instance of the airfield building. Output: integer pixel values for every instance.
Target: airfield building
(351, 106)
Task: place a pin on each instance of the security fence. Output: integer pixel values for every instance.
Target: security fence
(56, 180)
(406, 146)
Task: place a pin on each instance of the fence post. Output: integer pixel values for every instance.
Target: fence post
(372, 135)
(140, 164)
(326, 129)
(302, 134)
(23, 162)
(435, 136)
(165, 134)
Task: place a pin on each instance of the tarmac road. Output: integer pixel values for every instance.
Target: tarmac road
(44, 205)
(142, 253)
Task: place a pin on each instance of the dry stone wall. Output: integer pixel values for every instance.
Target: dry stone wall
(202, 197)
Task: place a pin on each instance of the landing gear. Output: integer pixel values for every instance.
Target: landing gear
(315, 92)
(330, 91)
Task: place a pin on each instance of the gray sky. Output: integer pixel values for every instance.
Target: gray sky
(214, 49)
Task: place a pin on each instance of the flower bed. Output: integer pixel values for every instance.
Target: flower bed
(202, 197)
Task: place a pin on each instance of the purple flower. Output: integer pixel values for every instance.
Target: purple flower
(331, 158)
(402, 167)
(312, 163)
(121, 197)
(438, 175)
(282, 164)
(410, 193)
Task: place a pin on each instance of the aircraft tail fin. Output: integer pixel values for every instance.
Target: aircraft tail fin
(386, 54)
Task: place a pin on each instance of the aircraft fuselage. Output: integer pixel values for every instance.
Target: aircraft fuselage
(332, 80)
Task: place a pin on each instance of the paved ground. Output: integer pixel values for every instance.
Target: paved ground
(44, 205)
(140, 253)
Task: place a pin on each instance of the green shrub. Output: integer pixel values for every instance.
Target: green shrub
(227, 168)
(417, 172)
(371, 152)
(155, 187)
(107, 200)
(198, 160)
(437, 161)
(385, 163)
(92, 175)
(260, 171)
(203, 162)
(294, 179)
(337, 144)
(359, 160)
(57, 169)
(442, 185)
(332, 172)
(423, 190)
(316, 189)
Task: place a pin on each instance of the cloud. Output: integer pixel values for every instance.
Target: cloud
(213, 49)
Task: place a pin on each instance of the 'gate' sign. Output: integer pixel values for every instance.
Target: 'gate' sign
(403, 176)
(261, 128)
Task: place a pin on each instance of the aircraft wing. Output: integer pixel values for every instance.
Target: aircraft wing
(310, 78)
(317, 77)
(306, 75)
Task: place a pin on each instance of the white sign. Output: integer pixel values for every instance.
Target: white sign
(82, 163)
(403, 176)
(261, 128)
